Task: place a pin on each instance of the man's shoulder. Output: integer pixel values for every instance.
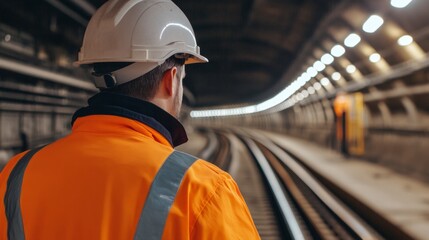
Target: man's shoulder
(5, 172)
(203, 174)
(204, 166)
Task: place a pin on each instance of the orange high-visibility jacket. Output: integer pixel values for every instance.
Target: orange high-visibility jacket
(117, 176)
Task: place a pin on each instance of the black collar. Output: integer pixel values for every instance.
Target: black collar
(133, 108)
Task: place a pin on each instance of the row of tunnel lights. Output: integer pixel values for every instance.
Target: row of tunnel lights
(371, 25)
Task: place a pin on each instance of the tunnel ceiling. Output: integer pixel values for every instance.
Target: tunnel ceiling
(250, 43)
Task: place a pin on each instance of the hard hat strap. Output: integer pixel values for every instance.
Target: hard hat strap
(125, 74)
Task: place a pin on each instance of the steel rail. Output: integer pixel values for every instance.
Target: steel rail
(309, 209)
(343, 213)
(285, 208)
(211, 146)
(223, 157)
(233, 156)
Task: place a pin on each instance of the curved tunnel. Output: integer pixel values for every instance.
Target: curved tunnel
(343, 83)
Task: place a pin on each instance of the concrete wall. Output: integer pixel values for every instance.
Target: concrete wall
(36, 127)
(396, 136)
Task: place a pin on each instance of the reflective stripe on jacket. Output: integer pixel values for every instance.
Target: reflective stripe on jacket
(96, 183)
(155, 211)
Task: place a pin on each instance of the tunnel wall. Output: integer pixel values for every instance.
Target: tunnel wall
(21, 130)
(34, 111)
(396, 124)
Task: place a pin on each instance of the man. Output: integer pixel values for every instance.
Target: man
(117, 176)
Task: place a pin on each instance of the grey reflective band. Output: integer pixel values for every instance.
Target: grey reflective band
(15, 228)
(161, 196)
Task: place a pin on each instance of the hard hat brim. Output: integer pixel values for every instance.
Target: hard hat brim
(196, 59)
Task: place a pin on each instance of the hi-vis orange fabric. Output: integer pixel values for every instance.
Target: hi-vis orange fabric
(93, 184)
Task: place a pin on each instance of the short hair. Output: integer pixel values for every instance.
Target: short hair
(143, 87)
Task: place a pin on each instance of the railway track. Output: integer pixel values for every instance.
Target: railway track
(294, 202)
(236, 159)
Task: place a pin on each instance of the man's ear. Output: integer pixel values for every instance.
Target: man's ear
(168, 82)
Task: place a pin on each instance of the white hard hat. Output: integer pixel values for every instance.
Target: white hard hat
(146, 32)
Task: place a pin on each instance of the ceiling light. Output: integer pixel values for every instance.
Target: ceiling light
(304, 93)
(300, 96)
(317, 86)
(7, 37)
(319, 66)
(295, 98)
(338, 51)
(311, 90)
(311, 71)
(325, 81)
(351, 68)
(375, 57)
(327, 59)
(301, 82)
(295, 83)
(372, 24)
(305, 77)
(336, 76)
(352, 40)
(405, 40)
(400, 3)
